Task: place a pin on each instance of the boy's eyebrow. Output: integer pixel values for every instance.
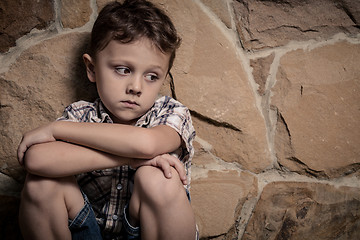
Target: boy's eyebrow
(129, 63)
(157, 66)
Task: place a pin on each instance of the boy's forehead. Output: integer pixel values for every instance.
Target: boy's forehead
(118, 49)
(148, 43)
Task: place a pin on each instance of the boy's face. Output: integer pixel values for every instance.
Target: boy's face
(128, 77)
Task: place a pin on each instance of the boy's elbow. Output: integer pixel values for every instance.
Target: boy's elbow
(154, 143)
(32, 161)
(148, 148)
(148, 151)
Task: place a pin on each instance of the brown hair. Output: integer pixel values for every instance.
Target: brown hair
(131, 21)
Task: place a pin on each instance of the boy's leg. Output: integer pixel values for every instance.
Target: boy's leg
(46, 205)
(161, 206)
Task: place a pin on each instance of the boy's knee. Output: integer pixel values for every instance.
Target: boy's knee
(155, 187)
(38, 188)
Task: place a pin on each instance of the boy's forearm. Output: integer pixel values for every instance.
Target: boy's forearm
(60, 159)
(118, 139)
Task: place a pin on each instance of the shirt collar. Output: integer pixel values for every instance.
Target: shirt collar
(102, 116)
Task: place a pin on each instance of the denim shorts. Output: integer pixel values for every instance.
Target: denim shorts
(85, 226)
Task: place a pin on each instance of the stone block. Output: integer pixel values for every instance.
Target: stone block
(233, 145)
(299, 210)
(17, 18)
(217, 200)
(317, 99)
(265, 24)
(75, 13)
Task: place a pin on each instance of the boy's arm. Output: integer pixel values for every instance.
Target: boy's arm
(117, 139)
(59, 159)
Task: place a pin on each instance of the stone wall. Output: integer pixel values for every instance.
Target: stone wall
(273, 87)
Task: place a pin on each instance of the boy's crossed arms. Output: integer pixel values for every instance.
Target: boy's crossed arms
(65, 148)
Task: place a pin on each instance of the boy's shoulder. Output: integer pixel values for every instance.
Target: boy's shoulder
(167, 102)
(166, 106)
(81, 107)
(84, 111)
(166, 111)
(84, 104)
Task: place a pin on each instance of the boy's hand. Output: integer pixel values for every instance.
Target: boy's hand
(164, 162)
(39, 135)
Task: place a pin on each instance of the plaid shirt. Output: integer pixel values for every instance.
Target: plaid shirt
(109, 190)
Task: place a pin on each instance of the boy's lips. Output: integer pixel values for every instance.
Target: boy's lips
(129, 103)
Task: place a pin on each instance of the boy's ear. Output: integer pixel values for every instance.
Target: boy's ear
(90, 67)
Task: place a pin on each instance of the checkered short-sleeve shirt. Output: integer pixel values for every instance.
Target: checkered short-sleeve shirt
(109, 190)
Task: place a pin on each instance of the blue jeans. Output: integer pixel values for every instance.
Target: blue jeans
(84, 225)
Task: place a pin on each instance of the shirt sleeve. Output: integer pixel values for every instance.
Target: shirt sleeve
(177, 116)
(80, 111)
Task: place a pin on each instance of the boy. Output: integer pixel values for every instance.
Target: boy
(132, 51)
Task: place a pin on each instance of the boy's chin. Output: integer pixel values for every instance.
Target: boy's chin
(126, 121)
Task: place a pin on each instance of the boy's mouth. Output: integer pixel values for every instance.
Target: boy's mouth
(129, 103)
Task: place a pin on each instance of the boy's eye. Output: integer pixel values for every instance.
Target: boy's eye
(123, 70)
(151, 77)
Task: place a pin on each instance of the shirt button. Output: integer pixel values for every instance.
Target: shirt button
(119, 187)
(115, 217)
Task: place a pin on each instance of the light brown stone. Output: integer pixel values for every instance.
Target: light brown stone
(289, 210)
(263, 24)
(210, 80)
(39, 85)
(75, 13)
(233, 146)
(218, 198)
(18, 18)
(317, 98)
(220, 9)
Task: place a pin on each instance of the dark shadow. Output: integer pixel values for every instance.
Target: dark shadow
(9, 211)
(83, 88)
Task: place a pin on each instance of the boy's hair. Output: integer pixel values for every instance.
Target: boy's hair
(131, 21)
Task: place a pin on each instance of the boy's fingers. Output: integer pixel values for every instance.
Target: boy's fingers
(181, 172)
(20, 160)
(180, 169)
(20, 155)
(167, 161)
(166, 168)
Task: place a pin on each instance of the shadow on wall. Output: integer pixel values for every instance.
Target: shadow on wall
(9, 209)
(83, 89)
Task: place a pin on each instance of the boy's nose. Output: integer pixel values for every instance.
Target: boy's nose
(134, 86)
